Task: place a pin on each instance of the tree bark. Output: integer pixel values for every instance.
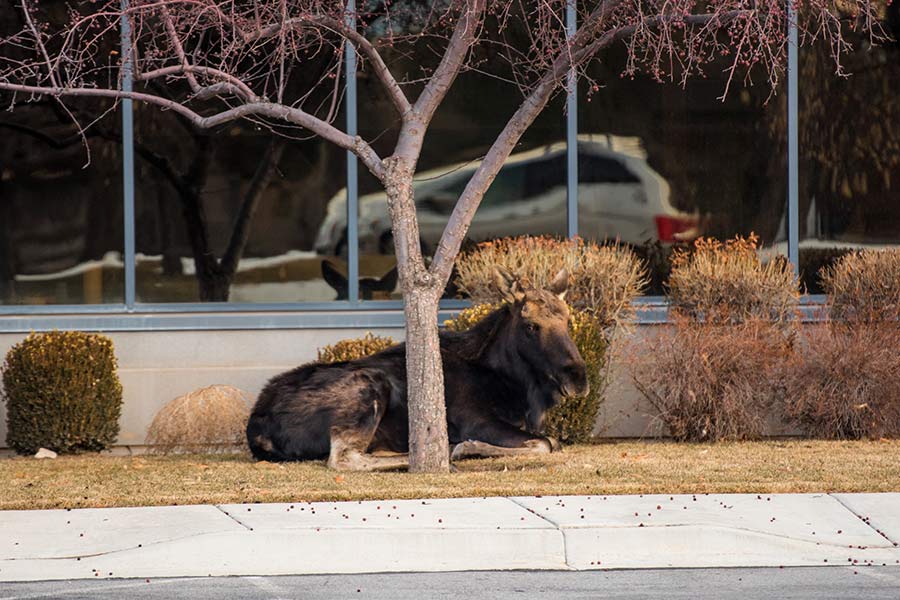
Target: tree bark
(428, 445)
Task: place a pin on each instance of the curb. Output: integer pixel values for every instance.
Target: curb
(532, 533)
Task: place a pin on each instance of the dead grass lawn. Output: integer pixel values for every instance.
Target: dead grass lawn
(628, 467)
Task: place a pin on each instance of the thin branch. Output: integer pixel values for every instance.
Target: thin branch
(264, 109)
(40, 44)
(235, 85)
(461, 217)
(464, 35)
(179, 50)
(359, 41)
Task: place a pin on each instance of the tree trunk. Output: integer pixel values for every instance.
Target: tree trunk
(428, 446)
(213, 283)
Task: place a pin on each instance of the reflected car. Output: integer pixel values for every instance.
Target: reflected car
(620, 197)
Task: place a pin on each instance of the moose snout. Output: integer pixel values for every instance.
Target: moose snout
(574, 380)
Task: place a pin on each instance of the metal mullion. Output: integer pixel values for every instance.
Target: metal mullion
(128, 160)
(793, 197)
(352, 166)
(571, 131)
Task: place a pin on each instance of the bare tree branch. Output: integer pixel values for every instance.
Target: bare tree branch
(465, 208)
(179, 49)
(464, 35)
(359, 41)
(262, 109)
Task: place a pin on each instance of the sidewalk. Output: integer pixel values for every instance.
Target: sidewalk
(569, 532)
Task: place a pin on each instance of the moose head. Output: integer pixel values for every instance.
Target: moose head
(538, 337)
(370, 288)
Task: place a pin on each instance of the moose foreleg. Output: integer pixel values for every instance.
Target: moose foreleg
(476, 448)
(346, 456)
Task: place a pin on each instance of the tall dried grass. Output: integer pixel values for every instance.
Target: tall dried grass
(845, 381)
(211, 419)
(725, 282)
(864, 286)
(715, 372)
(603, 280)
(711, 382)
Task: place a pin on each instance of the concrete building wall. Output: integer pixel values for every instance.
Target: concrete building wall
(157, 366)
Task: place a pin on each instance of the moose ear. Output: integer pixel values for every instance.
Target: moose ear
(560, 284)
(508, 285)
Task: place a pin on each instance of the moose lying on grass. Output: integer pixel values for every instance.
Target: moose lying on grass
(500, 377)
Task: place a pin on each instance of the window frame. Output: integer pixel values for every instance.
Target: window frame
(135, 316)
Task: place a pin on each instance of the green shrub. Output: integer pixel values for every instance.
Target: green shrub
(62, 393)
(573, 419)
(354, 348)
(864, 286)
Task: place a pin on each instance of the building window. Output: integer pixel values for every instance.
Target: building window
(849, 132)
(528, 197)
(61, 205)
(236, 214)
(679, 163)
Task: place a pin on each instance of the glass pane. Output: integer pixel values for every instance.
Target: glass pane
(233, 215)
(679, 163)
(61, 204)
(527, 197)
(849, 151)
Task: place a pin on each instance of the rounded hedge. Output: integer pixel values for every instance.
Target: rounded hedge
(62, 392)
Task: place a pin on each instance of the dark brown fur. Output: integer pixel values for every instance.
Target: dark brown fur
(500, 378)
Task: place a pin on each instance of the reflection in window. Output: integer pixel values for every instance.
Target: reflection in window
(232, 215)
(60, 205)
(849, 150)
(678, 164)
(527, 197)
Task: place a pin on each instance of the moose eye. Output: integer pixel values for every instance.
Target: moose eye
(531, 327)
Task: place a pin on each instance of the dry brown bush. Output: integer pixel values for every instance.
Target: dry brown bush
(845, 381)
(211, 419)
(725, 282)
(711, 382)
(603, 280)
(864, 285)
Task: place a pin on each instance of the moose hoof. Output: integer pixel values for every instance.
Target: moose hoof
(461, 450)
(555, 446)
(541, 445)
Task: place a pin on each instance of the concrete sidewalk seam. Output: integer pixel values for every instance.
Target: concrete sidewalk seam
(864, 520)
(233, 518)
(559, 529)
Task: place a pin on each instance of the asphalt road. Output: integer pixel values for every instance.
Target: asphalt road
(817, 583)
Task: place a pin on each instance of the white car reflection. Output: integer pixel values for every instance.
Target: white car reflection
(619, 196)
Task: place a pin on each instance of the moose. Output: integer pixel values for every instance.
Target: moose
(501, 376)
(370, 288)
